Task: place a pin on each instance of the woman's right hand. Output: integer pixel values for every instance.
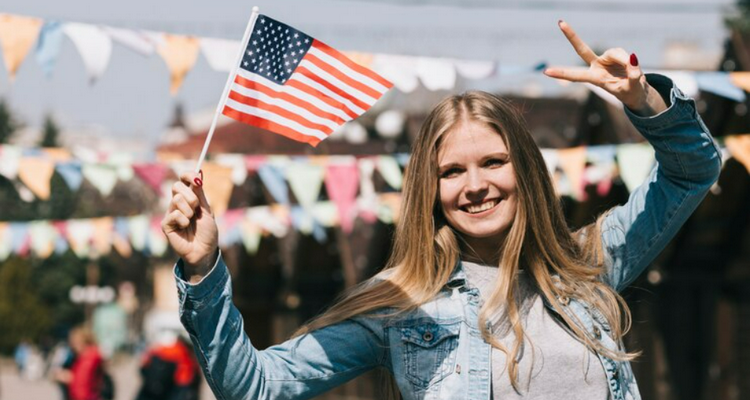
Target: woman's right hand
(190, 227)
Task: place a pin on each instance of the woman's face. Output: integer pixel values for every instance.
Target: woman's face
(477, 182)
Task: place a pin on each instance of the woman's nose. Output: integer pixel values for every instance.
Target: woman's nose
(476, 182)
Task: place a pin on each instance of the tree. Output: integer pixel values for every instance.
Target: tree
(22, 312)
(8, 124)
(741, 20)
(51, 132)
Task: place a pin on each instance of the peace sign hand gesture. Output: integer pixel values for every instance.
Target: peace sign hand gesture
(615, 71)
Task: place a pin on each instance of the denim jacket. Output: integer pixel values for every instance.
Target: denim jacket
(436, 351)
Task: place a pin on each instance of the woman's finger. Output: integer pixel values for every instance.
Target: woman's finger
(570, 74)
(583, 50)
(195, 183)
(173, 221)
(179, 202)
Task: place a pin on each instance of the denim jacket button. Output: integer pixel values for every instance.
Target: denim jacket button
(564, 300)
(427, 336)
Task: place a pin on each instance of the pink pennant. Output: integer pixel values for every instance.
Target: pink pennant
(254, 162)
(232, 217)
(342, 182)
(152, 174)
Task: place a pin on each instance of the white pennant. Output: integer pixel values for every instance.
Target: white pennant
(221, 54)
(94, 46)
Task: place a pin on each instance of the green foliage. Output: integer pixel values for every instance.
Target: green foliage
(50, 134)
(8, 123)
(22, 312)
(741, 20)
(55, 276)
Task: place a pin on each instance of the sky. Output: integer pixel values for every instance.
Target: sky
(132, 101)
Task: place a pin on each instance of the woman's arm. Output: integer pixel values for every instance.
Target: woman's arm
(688, 163)
(299, 368)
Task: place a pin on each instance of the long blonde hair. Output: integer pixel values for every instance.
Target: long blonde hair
(426, 249)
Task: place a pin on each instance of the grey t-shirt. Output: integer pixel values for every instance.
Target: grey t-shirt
(560, 367)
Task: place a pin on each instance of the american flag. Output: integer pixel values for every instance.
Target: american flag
(294, 85)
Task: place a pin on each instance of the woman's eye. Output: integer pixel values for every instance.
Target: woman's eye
(495, 162)
(449, 173)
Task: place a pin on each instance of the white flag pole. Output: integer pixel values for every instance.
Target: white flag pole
(230, 79)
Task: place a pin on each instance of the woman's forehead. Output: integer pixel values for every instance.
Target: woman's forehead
(470, 138)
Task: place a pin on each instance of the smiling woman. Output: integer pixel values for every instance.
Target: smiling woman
(487, 293)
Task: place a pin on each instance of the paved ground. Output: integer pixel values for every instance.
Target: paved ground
(124, 373)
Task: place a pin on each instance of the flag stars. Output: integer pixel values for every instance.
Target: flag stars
(296, 35)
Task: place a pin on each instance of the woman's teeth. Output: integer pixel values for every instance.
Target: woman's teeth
(473, 209)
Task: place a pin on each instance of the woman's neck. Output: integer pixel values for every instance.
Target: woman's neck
(485, 251)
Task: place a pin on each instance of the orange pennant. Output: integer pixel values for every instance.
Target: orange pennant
(180, 54)
(218, 186)
(573, 163)
(36, 173)
(17, 37)
(739, 148)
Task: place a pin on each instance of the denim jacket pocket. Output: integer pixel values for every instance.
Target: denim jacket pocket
(429, 350)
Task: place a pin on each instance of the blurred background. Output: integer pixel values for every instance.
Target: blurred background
(102, 106)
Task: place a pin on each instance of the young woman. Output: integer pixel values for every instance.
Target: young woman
(487, 293)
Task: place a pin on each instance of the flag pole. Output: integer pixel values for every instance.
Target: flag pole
(230, 79)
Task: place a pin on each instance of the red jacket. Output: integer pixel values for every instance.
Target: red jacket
(87, 371)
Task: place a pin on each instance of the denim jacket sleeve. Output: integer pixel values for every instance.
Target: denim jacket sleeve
(688, 163)
(299, 368)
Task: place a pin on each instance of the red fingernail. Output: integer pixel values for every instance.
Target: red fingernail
(198, 182)
(633, 60)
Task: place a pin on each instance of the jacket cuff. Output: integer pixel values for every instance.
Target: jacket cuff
(679, 106)
(216, 278)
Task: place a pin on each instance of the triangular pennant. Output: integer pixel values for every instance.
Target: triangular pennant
(237, 163)
(9, 161)
(221, 54)
(401, 70)
(102, 176)
(71, 174)
(342, 182)
(217, 184)
(20, 240)
(251, 236)
(390, 171)
(48, 46)
(472, 69)
(93, 45)
(43, 237)
(436, 74)
(739, 147)
(157, 242)
(102, 239)
(635, 163)
(326, 213)
(152, 174)
(180, 54)
(5, 241)
(301, 220)
(305, 180)
(134, 40)
(389, 208)
(36, 173)
(17, 37)
(80, 233)
(272, 177)
(573, 161)
(138, 227)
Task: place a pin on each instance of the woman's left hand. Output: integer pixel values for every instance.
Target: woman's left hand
(615, 71)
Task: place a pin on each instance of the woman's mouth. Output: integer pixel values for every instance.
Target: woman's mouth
(479, 208)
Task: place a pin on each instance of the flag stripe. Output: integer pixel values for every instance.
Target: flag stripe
(321, 84)
(278, 110)
(334, 81)
(270, 126)
(344, 68)
(338, 74)
(293, 96)
(317, 44)
(304, 92)
(261, 113)
(299, 83)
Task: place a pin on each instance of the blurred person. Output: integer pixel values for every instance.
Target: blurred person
(21, 355)
(61, 360)
(169, 370)
(487, 294)
(87, 378)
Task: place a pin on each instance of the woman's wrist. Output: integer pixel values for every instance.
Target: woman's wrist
(649, 104)
(196, 271)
